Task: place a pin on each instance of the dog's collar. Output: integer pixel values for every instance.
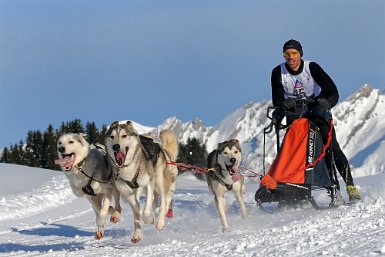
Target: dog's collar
(80, 165)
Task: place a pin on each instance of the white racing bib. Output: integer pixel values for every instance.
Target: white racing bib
(301, 85)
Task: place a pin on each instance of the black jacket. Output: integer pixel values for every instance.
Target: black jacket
(328, 88)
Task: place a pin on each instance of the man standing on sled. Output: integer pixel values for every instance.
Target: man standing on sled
(300, 79)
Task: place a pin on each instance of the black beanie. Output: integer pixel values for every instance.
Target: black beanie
(293, 44)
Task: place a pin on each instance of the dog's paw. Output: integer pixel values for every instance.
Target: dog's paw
(160, 226)
(136, 239)
(225, 229)
(99, 235)
(115, 218)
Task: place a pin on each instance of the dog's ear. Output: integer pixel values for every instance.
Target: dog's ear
(129, 127)
(114, 124)
(236, 143)
(79, 137)
(220, 146)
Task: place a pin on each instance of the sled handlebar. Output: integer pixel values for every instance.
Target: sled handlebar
(276, 114)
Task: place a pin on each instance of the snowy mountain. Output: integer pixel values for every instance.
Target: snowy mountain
(359, 123)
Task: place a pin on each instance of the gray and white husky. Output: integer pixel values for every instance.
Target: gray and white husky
(140, 163)
(90, 176)
(224, 176)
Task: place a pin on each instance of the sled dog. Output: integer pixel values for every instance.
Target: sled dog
(225, 176)
(90, 176)
(140, 163)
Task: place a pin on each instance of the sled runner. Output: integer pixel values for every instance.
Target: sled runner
(300, 168)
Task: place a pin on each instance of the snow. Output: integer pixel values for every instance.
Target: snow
(39, 216)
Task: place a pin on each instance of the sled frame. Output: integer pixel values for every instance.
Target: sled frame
(333, 191)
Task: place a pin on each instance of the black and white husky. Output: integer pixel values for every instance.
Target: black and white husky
(89, 176)
(224, 176)
(140, 163)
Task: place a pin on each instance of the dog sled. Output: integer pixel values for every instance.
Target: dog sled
(300, 173)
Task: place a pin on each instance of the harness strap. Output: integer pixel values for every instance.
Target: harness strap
(92, 178)
(133, 184)
(191, 168)
(217, 178)
(80, 165)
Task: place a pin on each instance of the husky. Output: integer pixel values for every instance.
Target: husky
(224, 176)
(140, 163)
(89, 176)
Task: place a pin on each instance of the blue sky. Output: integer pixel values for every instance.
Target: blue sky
(149, 60)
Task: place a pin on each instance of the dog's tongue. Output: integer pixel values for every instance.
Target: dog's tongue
(66, 162)
(234, 173)
(119, 157)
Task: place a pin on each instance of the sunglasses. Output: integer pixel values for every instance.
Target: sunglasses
(290, 54)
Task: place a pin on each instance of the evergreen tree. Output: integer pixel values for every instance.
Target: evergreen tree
(63, 129)
(193, 153)
(101, 134)
(34, 149)
(76, 126)
(49, 149)
(5, 156)
(92, 133)
(20, 149)
(14, 156)
(29, 153)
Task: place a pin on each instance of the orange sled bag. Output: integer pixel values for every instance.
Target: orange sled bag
(300, 160)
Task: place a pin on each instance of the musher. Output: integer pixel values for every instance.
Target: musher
(297, 78)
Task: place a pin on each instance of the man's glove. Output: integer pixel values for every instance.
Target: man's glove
(324, 103)
(289, 103)
(278, 115)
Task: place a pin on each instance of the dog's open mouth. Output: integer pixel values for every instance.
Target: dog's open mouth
(66, 161)
(234, 172)
(120, 157)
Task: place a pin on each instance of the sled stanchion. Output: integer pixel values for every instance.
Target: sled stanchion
(326, 146)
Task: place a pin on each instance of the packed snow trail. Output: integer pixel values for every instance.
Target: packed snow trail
(43, 218)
